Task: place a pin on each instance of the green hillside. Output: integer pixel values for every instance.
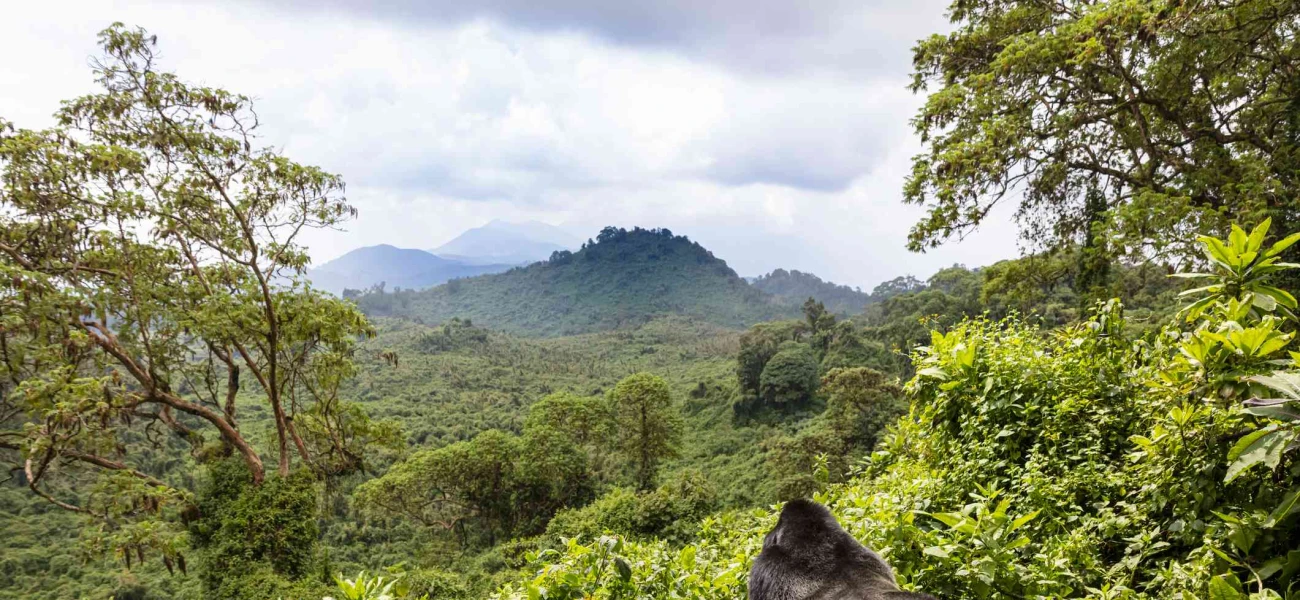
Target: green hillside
(793, 287)
(622, 279)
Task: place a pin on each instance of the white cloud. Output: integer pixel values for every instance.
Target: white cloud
(441, 122)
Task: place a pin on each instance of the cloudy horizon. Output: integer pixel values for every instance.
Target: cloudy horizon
(775, 134)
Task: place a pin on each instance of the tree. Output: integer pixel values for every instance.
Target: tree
(502, 483)
(648, 426)
(820, 323)
(586, 419)
(759, 345)
(1140, 120)
(790, 378)
(150, 274)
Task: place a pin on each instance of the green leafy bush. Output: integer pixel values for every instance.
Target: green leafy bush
(790, 377)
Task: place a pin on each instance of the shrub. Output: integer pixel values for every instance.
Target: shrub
(790, 378)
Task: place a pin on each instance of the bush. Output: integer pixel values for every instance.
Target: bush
(790, 378)
(256, 541)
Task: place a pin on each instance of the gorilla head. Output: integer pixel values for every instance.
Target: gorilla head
(809, 557)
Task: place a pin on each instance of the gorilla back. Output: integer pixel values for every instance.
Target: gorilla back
(808, 556)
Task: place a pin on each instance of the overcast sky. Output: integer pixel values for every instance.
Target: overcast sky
(775, 133)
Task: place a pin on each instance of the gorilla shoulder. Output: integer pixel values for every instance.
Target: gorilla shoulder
(808, 556)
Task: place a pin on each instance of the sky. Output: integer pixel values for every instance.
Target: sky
(774, 133)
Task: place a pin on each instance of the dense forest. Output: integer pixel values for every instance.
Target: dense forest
(1115, 414)
(620, 279)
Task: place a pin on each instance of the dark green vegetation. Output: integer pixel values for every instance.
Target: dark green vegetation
(622, 279)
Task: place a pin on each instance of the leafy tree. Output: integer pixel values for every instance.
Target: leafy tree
(794, 286)
(860, 403)
(586, 419)
(1137, 120)
(552, 473)
(648, 426)
(905, 284)
(758, 346)
(254, 540)
(499, 483)
(790, 378)
(820, 323)
(150, 275)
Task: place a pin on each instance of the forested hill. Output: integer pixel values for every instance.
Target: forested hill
(622, 279)
(796, 286)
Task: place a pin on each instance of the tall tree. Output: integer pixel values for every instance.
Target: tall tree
(648, 424)
(150, 275)
(1181, 115)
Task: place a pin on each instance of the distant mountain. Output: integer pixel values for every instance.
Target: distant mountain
(623, 279)
(502, 242)
(394, 267)
(795, 287)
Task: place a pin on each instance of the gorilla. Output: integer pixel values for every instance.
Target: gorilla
(809, 557)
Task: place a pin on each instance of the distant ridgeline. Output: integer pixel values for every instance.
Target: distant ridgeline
(793, 287)
(622, 279)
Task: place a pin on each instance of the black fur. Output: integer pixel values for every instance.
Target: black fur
(808, 556)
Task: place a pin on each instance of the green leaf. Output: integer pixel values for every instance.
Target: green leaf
(1237, 239)
(624, 569)
(1265, 445)
(1282, 409)
(935, 551)
(949, 519)
(933, 372)
(1257, 235)
(1216, 288)
(1284, 509)
(1018, 523)
(1279, 295)
(1226, 587)
(1287, 383)
(1281, 246)
(1218, 253)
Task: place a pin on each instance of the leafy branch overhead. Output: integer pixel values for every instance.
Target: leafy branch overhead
(1124, 123)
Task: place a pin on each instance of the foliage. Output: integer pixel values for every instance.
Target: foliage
(793, 287)
(364, 587)
(1241, 264)
(500, 484)
(647, 424)
(623, 279)
(860, 403)
(1077, 462)
(790, 377)
(758, 346)
(1133, 122)
(670, 512)
(265, 533)
(150, 276)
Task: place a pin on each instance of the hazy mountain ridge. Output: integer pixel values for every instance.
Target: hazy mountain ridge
(623, 279)
(796, 286)
(504, 242)
(394, 267)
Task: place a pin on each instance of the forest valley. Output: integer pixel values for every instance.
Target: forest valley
(1115, 415)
